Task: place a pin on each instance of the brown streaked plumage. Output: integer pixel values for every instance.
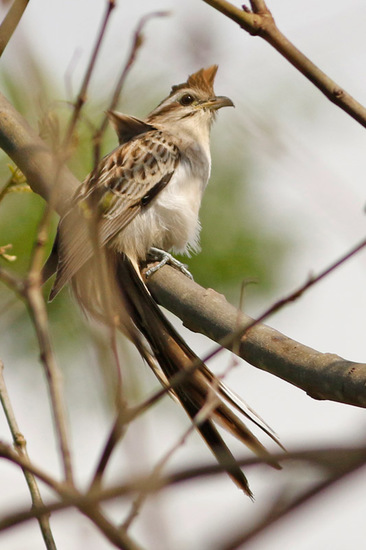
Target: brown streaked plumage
(147, 193)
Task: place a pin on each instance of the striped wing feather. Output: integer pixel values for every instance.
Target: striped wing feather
(124, 183)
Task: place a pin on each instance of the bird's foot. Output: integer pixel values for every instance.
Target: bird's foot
(163, 258)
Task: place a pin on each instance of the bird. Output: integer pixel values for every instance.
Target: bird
(146, 195)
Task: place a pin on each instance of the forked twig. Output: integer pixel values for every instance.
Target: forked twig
(336, 462)
(337, 469)
(260, 22)
(87, 503)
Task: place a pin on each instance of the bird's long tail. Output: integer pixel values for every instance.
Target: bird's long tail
(200, 390)
(108, 282)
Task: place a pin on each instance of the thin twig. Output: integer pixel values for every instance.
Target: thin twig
(154, 476)
(23, 461)
(291, 297)
(21, 447)
(112, 533)
(12, 281)
(80, 101)
(282, 506)
(137, 42)
(38, 311)
(114, 437)
(39, 316)
(11, 22)
(70, 497)
(30, 291)
(258, 6)
(203, 415)
(336, 462)
(261, 23)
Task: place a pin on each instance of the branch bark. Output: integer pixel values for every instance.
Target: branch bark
(321, 375)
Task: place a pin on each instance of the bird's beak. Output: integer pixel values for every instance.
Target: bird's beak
(217, 102)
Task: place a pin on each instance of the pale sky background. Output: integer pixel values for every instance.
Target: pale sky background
(309, 183)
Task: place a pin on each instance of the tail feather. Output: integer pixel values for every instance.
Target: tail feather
(174, 356)
(203, 396)
(237, 403)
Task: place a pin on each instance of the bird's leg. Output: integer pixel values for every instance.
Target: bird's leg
(163, 258)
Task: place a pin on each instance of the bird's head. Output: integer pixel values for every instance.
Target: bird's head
(193, 101)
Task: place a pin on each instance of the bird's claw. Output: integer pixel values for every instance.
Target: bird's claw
(163, 258)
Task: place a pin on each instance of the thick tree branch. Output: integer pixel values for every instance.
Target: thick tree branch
(260, 22)
(321, 375)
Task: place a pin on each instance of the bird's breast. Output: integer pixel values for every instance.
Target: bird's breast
(177, 208)
(170, 221)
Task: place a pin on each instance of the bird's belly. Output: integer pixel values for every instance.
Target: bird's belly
(177, 212)
(170, 221)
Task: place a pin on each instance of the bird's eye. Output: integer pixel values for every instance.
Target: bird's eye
(186, 99)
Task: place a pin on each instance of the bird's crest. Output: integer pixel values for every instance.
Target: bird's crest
(202, 80)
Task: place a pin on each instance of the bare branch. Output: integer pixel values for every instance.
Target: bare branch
(261, 23)
(321, 375)
(336, 463)
(137, 42)
(342, 467)
(86, 503)
(11, 22)
(30, 290)
(82, 94)
(21, 447)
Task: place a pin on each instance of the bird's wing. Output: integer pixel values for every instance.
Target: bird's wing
(124, 183)
(127, 127)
